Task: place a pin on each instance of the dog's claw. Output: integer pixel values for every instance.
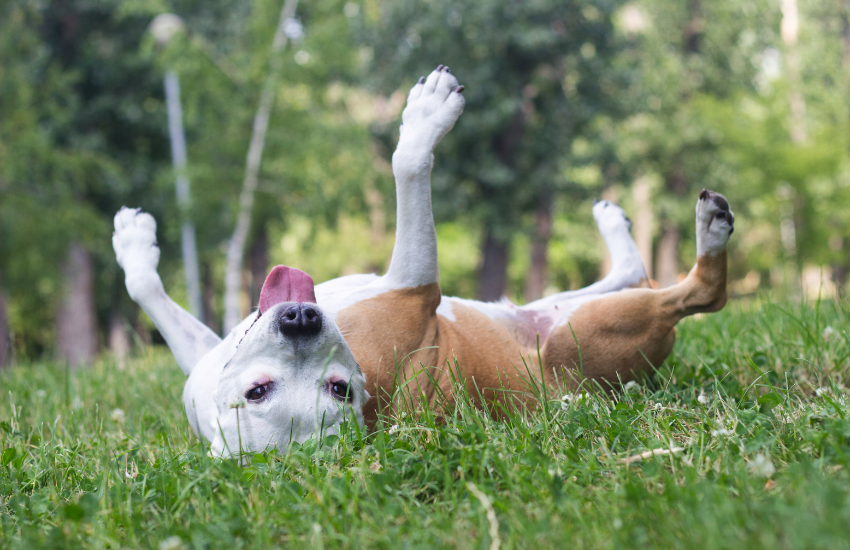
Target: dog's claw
(595, 201)
(422, 80)
(439, 67)
(459, 89)
(703, 194)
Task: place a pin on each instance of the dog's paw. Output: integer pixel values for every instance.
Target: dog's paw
(715, 223)
(433, 106)
(136, 250)
(610, 218)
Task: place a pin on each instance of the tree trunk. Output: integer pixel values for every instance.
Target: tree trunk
(76, 322)
(535, 282)
(377, 221)
(259, 262)
(5, 355)
(119, 340)
(493, 275)
(209, 296)
(667, 260)
(790, 28)
(187, 231)
(236, 246)
(643, 220)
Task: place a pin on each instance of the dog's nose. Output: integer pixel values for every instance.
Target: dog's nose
(301, 320)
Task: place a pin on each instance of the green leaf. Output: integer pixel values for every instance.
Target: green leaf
(769, 401)
(73, 511)
(331, 441)
(8, 456)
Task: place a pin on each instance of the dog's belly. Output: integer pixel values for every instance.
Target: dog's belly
(416, 334)
(407, 334)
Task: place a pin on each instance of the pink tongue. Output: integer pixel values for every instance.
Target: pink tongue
(285, 284)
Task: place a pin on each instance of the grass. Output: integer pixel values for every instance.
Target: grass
(756, 396)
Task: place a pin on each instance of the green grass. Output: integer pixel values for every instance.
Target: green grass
(77, 474)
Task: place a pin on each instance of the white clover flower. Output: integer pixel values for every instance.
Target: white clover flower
(237, 402)
(761, 466)
(827, 333)
(617, 523)
(659, 407)
(77, 403)
(40, 393)
(820, 391)
(117, 415)
(631, 385)
(393, 429)
(568, 398)
(720, 432)
(702, 398)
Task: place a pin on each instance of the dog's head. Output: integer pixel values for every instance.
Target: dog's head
(292, 375)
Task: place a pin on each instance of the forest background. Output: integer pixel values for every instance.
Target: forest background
(642, 102)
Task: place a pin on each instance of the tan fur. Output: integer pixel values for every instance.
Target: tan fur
(620, 335)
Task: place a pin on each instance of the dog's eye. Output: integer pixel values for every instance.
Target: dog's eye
(339, 390)
(257, 393)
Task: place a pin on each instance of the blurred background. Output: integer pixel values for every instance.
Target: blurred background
(273, 145)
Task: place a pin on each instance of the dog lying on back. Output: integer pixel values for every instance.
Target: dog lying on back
(288, 387)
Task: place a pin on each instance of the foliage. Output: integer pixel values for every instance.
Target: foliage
(755, 394)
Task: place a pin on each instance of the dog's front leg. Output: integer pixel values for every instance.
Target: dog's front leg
(433, 106)
(137, 253)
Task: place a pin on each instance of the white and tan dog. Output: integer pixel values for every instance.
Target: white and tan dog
(402, 317)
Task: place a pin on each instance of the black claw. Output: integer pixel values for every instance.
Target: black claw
(439, 67)
(459, 89)
(703, 194)
(422, 80)
(446, 69)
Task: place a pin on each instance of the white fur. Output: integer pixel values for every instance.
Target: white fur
(432, 109)
(134, 242)
(712, 232)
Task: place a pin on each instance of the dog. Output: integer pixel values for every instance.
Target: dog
(402, 318)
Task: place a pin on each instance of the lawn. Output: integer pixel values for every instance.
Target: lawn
(753, 403)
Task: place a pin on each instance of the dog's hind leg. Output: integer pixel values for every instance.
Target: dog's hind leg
(137, 252)
(433, 106)
(631, 331)
(627, 269)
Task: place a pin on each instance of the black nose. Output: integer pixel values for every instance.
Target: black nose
(300, 320)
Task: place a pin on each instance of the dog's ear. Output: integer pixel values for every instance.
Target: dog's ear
(286, 284)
